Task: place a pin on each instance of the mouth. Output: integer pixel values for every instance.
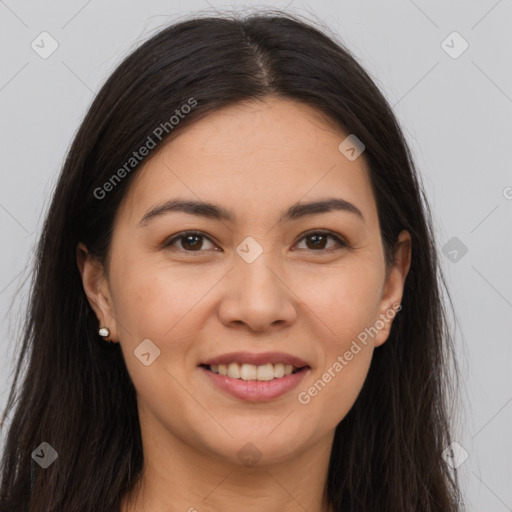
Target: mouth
(255, 377)
(251, 372)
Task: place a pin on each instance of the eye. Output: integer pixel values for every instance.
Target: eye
(190, 241)
(319, 239)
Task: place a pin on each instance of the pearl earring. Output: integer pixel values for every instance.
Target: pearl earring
(103, 332)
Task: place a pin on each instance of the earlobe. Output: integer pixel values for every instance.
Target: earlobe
(394, 287)
(96, 288)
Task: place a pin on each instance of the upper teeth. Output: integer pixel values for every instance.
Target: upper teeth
(252, 372)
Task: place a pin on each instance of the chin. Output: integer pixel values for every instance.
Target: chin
(259, 446)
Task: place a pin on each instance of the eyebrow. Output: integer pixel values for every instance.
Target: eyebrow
(217, 212)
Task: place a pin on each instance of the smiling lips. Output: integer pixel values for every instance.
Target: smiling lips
(247, 371)
(252, 366)
(255, 377)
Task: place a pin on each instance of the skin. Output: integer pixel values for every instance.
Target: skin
(255, 159)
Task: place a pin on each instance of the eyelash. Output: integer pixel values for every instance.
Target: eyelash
(341, 243)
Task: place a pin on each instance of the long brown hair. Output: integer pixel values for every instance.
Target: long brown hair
(76, 393)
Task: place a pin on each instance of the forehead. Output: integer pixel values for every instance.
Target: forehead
(254, 156)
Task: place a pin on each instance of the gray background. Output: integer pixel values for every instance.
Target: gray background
(456, 113)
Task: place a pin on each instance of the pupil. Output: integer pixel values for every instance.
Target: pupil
(316, 237)
(193, 245)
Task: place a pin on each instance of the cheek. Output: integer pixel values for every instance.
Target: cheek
(153, 300)
(157, 304)
(333, 388)
(345, 299)
(347, 303)
(166, 306)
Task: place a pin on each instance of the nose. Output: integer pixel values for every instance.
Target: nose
(256, 294)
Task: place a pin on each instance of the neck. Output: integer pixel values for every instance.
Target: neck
(178, 477)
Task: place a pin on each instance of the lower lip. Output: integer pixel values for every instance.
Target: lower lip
(256, 390)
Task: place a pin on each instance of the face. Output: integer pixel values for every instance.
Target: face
(311, 284)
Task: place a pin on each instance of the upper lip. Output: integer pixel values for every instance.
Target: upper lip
(256, 359)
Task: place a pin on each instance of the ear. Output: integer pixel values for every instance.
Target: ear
(96, 289)
(394, 287)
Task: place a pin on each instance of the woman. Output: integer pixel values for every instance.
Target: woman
(237, 303)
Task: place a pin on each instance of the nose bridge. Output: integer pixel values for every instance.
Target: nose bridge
(256, 293)
(256, 279)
